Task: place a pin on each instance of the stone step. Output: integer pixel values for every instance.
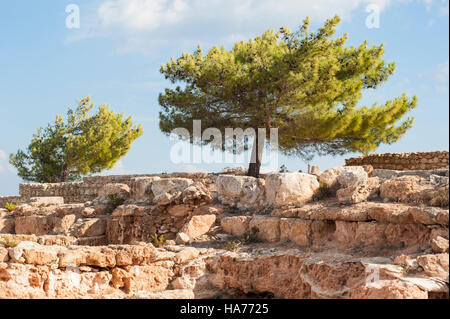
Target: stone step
(307, 232)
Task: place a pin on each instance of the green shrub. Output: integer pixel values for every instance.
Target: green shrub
(9, 242)
(233, 245)
(441, 200)
(115, 200)
(251, 236)
(10, 206)
(324, 191)
(158, 241)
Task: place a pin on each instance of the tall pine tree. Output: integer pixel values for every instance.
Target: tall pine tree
(306, 84)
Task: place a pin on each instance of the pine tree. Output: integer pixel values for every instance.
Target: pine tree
(65, 150)
(306, 84)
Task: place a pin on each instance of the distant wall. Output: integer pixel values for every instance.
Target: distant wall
(403, 161)
(80, 192)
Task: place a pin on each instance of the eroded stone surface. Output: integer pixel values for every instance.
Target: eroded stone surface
(228, 236)
(290, 188)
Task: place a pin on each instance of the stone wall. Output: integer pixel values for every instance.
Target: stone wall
(80, 192)
(403, 161)
(221, 236)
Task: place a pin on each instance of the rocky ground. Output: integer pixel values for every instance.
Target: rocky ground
(349, 232)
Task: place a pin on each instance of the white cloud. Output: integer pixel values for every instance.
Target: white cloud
(141, 14)
(441, 72)
(150, 15)
(148, 25)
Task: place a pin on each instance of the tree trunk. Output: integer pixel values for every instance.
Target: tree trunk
(255, 161)
(64, 174)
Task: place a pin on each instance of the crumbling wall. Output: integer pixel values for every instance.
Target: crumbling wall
(403, 161)
(289, 235)
(80, 192)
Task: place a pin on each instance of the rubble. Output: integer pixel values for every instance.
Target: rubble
(209, 236)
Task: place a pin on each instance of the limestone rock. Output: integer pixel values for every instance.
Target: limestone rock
(368, 169)
(7, 225)
(132, 210)
(141, 188)
(121, 191)
(59, 240)
(426, 215)
(359, 192)
(414, 189)
(186, 255)
(46, 201)
(296, 230)
(268, 227)
(196, 193)
(70, 209)
(40, 255)
(179, 210)
(290, 188)
(184, 282)
(315, 170)
(235, 225)
(330, 176)
(132, 279)
(166, 190)
(182, 239)
(4, 256)
(91, 227)
(198, 225)
(440, 245)
(26, 210)
(237, 170)
(38, 225)
(16, 253)
(435, 265)
(352, 177)
(243, 189)
(440, 197)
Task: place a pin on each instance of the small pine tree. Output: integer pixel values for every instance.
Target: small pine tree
(66, 150)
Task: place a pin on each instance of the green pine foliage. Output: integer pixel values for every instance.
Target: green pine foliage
(83, 143)
(306, 84)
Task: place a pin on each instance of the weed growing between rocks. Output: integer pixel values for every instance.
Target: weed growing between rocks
(248, 238)
(233, 245)
(159, 241)
(8, 242)
(10, 206)
(324, 191)
(251, 236)
(115, 200)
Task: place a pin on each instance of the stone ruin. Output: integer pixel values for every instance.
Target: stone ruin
(348, 232)
(403, 161)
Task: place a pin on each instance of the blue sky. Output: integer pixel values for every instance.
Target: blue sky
(116, 54)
